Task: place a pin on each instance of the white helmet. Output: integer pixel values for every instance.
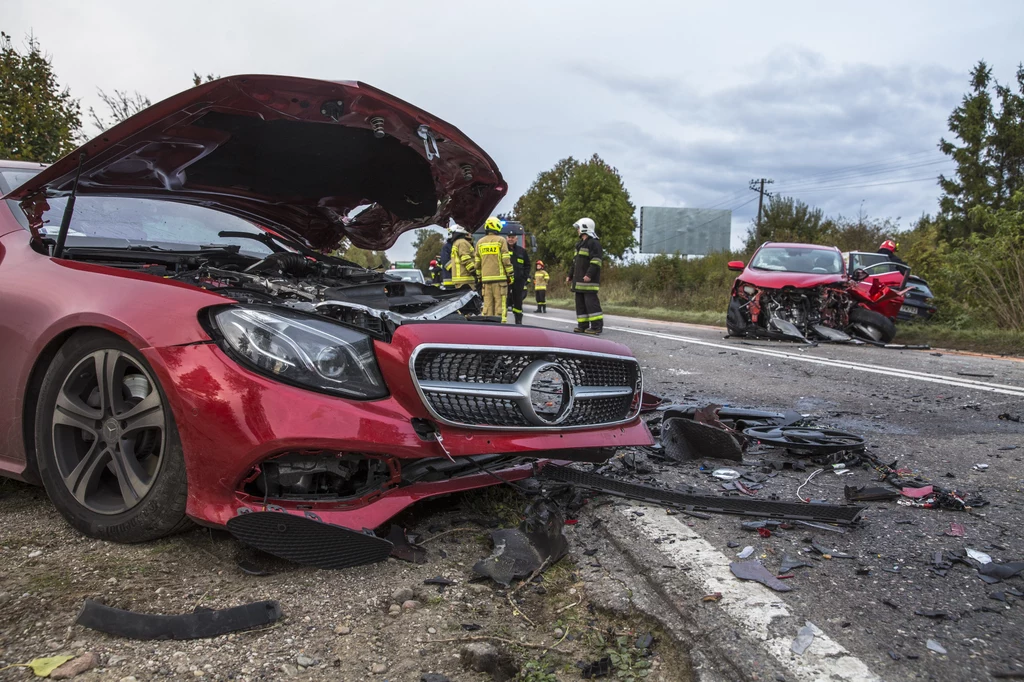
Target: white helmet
(456, 230)
(585, 226)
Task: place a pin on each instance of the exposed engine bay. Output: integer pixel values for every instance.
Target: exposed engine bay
(819, 312)
(322, 285)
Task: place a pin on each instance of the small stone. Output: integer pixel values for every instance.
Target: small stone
(402, 594)
(305, 661)
(481, 657)
(410, 605)
(198, 673)
(559, 633)
(76, 666)
(128, 678)
(289, 670)
(342, 630)
(431, 631)
(379, 668)
(111, 581)
(477, 588)
(395, 610)
(35, 553)
(114, 659)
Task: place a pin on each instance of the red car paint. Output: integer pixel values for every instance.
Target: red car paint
(230, 418)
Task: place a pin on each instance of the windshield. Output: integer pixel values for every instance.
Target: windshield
(132, 221)
(16, 177)
(783, 259)
(921, 287)
(407, 275)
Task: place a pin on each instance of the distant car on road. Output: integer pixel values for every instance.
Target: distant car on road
(409, 275)
(917, 302)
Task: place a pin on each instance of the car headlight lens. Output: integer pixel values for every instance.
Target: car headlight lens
(303, 350)
(749, 290)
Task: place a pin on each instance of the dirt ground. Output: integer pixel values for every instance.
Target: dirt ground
(337, 624)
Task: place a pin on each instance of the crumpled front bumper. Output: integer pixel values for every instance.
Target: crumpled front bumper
(230, 419)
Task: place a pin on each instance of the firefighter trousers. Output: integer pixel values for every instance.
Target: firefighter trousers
(588, 310)
(542, 297)
(516, 294)
(495, 295)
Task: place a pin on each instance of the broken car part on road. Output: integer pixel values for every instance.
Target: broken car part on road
(197, 625)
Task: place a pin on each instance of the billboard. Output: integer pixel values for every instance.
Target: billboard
(688, 231)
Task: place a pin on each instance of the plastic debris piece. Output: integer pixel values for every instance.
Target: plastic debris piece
(980, 467)
(935, 646)
(820, 526)
(1002, 571)
(755, 570)
(990, 579)
(956, 530)
(830, 553)
(804, 637)
(745, 552)
(600, 668)
(732, 543)
(764, 532)
(442, 582)
(726, 474)
(789, 563)
(918, 493)
(471, 627)
(980, 557)
(998, 596)
(929, 613)
(199, 624)
(644, 641)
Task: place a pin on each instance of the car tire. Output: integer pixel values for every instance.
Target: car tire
(110, 460)
(872, 326)
(734, 322)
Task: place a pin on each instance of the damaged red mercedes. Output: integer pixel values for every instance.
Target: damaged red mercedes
(177, 346)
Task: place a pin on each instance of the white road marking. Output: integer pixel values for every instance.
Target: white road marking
(959, 382)
(751, 605)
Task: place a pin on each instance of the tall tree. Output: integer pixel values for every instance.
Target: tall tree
(39, 121)
(120, 105)
(371, 260)
(595, 190)
(786, 220)
(428, 246)
(535, 206)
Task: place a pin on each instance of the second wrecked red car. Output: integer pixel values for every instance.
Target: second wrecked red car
(804, 292)
(178, 347)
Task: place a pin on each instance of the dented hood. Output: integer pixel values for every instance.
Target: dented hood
(315, 160)
(771, 279)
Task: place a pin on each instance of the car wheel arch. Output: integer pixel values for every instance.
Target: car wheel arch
(33, 384)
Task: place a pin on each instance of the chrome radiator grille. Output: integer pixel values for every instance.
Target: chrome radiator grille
(526, 388)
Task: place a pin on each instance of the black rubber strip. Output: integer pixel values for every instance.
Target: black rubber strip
(826, 513)
(196, 625)
(308, 541)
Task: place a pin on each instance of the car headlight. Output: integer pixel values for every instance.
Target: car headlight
(302, 350)
(749, 290)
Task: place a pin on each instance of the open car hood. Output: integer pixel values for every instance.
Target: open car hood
(297, 156)
(771, 279)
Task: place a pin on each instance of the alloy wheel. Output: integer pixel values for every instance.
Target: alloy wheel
(109, 432)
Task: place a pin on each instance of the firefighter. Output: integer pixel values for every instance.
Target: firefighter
(520, 274)
(462, 264)
(540, 287)
(585, 278)
(888, 249)
(445, 260)
(494, 265)
(436, 273)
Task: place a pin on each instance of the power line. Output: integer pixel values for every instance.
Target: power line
(866, 166)
(758, 186)
(874, 184)
(861, 175)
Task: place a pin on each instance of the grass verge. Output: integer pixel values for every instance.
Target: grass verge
(976, 340)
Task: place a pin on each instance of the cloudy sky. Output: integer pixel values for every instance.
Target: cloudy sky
(842, 106)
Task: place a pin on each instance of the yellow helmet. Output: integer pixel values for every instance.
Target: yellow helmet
(493, 224)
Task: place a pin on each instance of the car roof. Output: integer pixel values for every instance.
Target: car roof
(22, 165)
(794, 245)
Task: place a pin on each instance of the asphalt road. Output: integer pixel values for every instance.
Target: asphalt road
(935, 412)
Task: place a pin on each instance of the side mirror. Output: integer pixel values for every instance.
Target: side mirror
(859, 275)
(736, 265)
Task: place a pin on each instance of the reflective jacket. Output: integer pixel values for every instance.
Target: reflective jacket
(520, 265)
(445, 259)
(587, 263)
(493, 261)
(540, 280)
(461, 265)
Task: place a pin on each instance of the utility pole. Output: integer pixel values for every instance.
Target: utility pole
(758, 186)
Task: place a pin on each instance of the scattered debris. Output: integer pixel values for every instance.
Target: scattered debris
(439, 581)
(714, 597)
(918, 493)
(518, 552)
(929, 613)
(404, 549)
(1006, 416)
(870, 494)
(684, 439)
(956, 530)
(745, 552)
(980, 467)
(755, 570)
(201, 623)
(789, 563)
(936, 647)
(998, 596)
(804, 637)
(599, 668)
(1001, 571)
(726, 474)
(644, 641)
(484, 657)
(806, 440)
(980, 557)
(827, 553)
